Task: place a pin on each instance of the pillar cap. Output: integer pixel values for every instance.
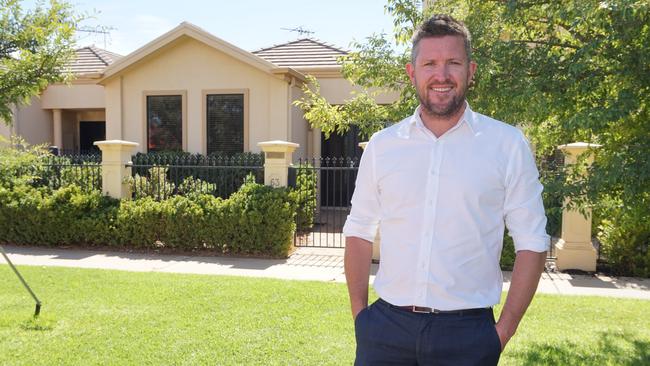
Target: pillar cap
(114, 143)
(578, 146)
(278, 145)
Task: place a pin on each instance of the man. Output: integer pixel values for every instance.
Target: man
(440, 186)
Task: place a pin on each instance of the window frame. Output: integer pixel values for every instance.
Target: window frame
(145, 122)
(204, 114)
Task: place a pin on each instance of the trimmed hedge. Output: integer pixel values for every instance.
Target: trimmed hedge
(255, 220)
(625, 240)
(508, 253)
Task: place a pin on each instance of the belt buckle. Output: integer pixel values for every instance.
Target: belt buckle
(422, 310)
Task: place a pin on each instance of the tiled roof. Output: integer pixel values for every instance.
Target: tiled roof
(304, 52)
(90, 60)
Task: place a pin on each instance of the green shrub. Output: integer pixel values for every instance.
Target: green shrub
(263, 219)
(256, 220)
(66, 216)
(625, 240)
(221, 175)
(304, 194)
(551, 175)
(507, 253)
(191, 187)
(154, 184)
(21, 163)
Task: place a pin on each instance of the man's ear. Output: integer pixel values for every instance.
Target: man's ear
(472, 69)
(410, 70)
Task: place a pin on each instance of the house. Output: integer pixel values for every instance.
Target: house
(190, 90)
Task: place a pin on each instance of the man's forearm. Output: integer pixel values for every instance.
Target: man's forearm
(525, 277)
(358, 256)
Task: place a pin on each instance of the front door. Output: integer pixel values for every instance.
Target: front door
(341, 154)
(90, 132)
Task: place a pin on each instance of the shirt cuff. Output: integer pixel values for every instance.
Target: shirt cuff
(360, 229)
(537, 244)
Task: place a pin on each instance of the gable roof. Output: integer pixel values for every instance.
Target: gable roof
(186, 29)
(91, 60)
(303, 54)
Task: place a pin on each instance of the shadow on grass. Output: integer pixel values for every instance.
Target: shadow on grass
(611, 348)
(37, 325)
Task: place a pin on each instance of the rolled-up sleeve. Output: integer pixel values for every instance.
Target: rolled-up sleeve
(363, 220)
(523, 207)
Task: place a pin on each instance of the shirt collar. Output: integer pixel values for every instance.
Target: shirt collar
(469, 118)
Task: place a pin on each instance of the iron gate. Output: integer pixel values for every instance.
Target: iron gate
(324, 187)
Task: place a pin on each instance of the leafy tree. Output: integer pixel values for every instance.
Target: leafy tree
(568, 70)
(34, 44)
(376, 66)
(564, 70)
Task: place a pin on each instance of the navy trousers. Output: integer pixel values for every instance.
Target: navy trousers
(387, 335)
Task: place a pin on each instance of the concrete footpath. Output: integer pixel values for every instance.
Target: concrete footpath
(315, 264)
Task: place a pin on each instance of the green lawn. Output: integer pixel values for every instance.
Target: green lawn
(101, 317)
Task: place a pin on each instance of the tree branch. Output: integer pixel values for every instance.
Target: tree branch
(545, 43)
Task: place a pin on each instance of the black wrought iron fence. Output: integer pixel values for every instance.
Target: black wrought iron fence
(165, 176)
(57, 174)
(76, 158)
(325, 187)
(85, 155)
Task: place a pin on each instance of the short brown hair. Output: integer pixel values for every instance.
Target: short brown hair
(441, 25)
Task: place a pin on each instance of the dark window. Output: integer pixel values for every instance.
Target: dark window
(225, 123)
(89, 132)
(342, 146)
(164, 122)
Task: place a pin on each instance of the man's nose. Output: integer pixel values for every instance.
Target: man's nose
(440, 73)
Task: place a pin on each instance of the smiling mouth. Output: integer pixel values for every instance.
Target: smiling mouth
(441, 90)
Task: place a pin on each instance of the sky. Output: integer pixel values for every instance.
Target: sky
(248, 24)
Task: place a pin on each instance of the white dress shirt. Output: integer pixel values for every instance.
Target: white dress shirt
(441, 204)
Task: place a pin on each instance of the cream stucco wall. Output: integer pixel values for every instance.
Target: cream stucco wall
(91, 116)
(189, 67)
(338, 90)
(73, 96)
(299, 126)
(78, 102)
(33, 123)
(113, 93)
(69, 130)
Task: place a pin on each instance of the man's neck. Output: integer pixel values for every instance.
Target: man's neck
(439, 125)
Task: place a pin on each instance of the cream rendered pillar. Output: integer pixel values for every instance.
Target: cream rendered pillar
(377, 241)
(574, 249)
(115, 155)
(58, 129)
(277, 159)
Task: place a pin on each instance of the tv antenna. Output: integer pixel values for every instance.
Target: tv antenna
(300, 30)
(103, 30)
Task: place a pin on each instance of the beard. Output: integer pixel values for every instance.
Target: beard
(448, 110)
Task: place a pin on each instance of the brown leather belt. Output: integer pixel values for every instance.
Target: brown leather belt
(426, 310)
